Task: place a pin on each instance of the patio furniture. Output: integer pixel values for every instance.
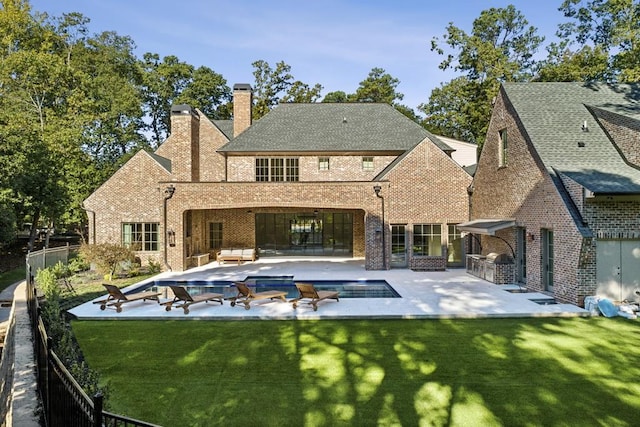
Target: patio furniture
(182, 298)
(246, 295)
(309, 292)
(238, 255)
(116, 298)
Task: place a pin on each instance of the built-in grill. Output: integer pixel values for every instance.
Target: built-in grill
(494, 267)
(497, 258)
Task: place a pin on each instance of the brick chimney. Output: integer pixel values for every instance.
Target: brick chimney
(242, 103)
(185, 131)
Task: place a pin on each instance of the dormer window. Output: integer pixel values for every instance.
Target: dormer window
(502, 148)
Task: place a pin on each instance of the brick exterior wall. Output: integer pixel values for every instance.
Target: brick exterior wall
(342, 168)
(524, 190)
(425, 187)
(242, 100)
(212, 163)
(437, 194)
(132, 194)
(183, 146)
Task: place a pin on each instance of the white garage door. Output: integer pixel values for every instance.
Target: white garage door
(618, 269)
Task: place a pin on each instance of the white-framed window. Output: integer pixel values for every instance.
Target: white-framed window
(502, 148)
(277, 169)
(427, 239)
(323, 163)
(367, 163)
(140, 236)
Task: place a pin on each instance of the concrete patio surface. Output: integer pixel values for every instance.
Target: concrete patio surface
(425, 295)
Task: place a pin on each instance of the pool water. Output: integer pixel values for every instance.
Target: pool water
(345, 288)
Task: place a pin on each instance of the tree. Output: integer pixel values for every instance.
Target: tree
(564, 65)
(336, 96)
(207, 91)
(270, 85)
(301, 93)
(379, 86)
(162, 82)
(612, 27)
(500, 48)
(273, 86)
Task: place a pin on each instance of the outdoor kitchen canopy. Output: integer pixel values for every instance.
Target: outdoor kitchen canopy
(486, 226)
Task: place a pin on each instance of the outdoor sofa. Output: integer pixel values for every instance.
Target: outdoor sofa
(238, 255)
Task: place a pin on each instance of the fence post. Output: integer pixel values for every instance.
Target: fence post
(97, 409)
(48, 392)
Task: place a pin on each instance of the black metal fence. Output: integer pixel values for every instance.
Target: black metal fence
(64, 402)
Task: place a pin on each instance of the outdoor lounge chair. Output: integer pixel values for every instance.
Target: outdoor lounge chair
(182, 298)
(246, 295)
(116, 298)
(309, 292)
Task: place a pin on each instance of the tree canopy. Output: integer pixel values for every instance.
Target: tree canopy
(74, 106)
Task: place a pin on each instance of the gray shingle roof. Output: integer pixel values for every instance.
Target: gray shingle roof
(340, 127)
(553, 114)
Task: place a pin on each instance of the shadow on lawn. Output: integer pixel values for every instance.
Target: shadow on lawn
(543, 372)
(546, 371)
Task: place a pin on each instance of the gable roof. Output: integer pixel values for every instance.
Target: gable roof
(329, 127)
(553, 115)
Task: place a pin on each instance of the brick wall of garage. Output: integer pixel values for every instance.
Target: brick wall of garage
(524, 190)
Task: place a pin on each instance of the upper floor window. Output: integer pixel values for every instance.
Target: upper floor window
(140, 236)
(323, 163)
(427, 239)
(367, 163)
(502, 149)
(277, 169)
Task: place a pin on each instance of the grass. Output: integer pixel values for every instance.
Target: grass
(489, 372)
(10, 277)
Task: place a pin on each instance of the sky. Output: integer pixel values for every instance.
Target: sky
(331, 42)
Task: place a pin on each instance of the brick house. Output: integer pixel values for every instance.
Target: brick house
(558, 186)
(354, 180)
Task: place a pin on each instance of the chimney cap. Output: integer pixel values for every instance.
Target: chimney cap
(183, 109)
(242, 86)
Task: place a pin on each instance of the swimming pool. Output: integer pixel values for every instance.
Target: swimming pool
(345, 288)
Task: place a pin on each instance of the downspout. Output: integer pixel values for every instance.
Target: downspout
(377, 188)
(168, 193)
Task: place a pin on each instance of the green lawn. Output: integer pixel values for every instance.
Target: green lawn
(10, 277)
(511, 372)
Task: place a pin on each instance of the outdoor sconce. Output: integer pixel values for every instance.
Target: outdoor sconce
(377, 190)
(531, 237)
(168, 192)
(171, 238)
(315, 212)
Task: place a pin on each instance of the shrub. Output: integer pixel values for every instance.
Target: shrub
(154, 266)
(107, 257)
(63, 341)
